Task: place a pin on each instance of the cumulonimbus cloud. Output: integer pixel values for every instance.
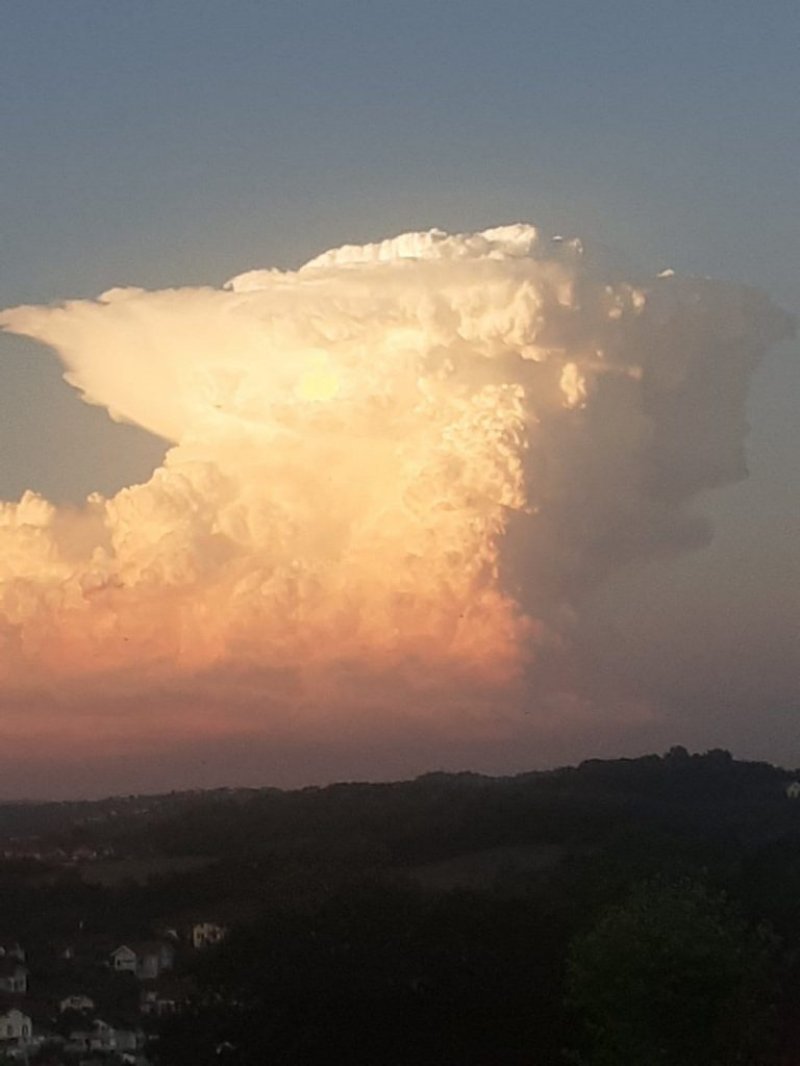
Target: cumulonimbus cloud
(408, 458)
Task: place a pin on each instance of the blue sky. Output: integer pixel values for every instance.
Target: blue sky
(183, 142)
(179, 141)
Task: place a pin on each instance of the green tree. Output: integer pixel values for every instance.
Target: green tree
(673, 976)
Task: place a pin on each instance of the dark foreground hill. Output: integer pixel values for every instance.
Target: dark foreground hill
(626, 911)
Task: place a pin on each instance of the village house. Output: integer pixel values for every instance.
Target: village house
(206, 934)
(144, 960)
(793, 790)
(148, 965)
(124, 959)
(154, 958)
(100, 1036)
(77, 1003)
(13, 976)
(103, 1038)
(15, 1026)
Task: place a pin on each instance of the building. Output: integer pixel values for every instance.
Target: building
(13, 976)
(206, 934)
(99, 1037)
(77, 1003)
(145, 960)
(15, 1026)
(793, 790)
(124, 959)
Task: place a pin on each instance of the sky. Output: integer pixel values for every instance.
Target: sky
(177, 146)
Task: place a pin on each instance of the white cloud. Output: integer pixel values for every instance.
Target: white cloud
(404, 460)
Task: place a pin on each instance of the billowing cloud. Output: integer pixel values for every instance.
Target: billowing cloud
(401, 465)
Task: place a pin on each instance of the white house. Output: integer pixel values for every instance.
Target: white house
(14, 1025)
(793, 790)
(124, 959)
(77, 1003)
(148, 964)
(10, 949)
(154, 957)
(144, 960)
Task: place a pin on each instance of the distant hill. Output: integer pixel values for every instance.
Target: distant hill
(433, 817)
